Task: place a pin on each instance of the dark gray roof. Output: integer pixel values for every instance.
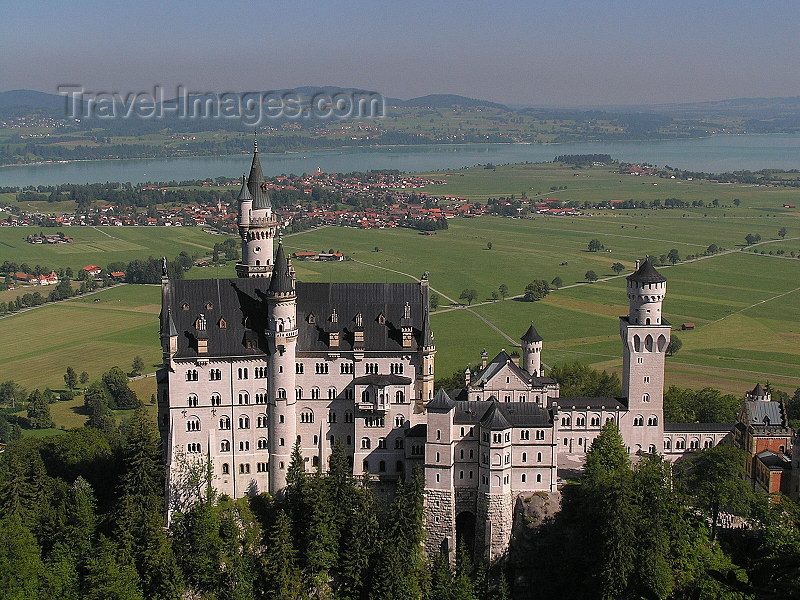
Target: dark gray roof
(758, 391)
(242, 306)
(281, 280)
(646, 274)
(764, 413)
(774, 462)
(244, 193)
(441, 401)
(591, 403)
(494, 366)
(518, 414)
(493, 419)
(697, 427)
(382, 380)
(532, 335)
(254, 181)
(419, 430)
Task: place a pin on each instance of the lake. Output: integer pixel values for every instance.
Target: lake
(713, 154)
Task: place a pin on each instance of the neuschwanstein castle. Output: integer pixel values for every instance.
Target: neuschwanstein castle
(255, 363)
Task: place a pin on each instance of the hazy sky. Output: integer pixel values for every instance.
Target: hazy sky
(564, 53)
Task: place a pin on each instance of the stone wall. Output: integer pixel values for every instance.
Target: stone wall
(495, 520)
(439, 521)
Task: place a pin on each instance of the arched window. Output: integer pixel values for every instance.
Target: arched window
(261, 444)
(192, 400)
(566, 421)
(667, 444)
(261, 398)
(694, 444)
(524, 478)
(225, 422)
(244, 398)
(244, 422)
(225, 446)
(307, 416)
(298, 393)
(680, 444)
(652, 421)
(399, 396)
(216, 399)
(538, 457)
(331, 416)
(538, 478)
(226, 469)
(399, 420)
(281, 393)
(315, 393)
(648, 343)
(365, 396)
(524, 457)
(261, 421)
(365, 443)
(365, 466)
(332, 393)
(662, 343)
(580, 421)
(646, 398)
(638, 421)
(637, 343)
(193, 424)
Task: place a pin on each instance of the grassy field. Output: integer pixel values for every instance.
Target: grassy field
(745, 305)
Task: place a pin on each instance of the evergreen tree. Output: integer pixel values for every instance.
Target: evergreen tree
(110, 575)
(321, 545)
(95, 402)
(199, 546)
(20, 560)
(282, 572)
(359, 541)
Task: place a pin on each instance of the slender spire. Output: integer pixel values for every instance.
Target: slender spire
(281, 281)
(254, 181)
(244, 193)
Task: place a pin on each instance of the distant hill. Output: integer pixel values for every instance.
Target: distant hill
(16, 103)
(444, 101)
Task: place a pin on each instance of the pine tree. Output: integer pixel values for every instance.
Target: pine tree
(20, 560)
(39, 411)
(322, 537)
(282, 572)
(110, 575)
(359, 541)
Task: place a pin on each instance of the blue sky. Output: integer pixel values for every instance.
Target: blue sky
(556, 53)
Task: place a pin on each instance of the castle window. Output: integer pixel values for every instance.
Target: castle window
(331, 416)
(538, 478)
(226, 469)
(667, 444)
(637, 344)
(244, 398)
(647, 379)
(538, 457)
(471, 454)
(315, 461)
(652, 421)
(381, 443)
(438, 434)
(652, 448)
(485, 437)
(261, 467)
(680, 444)
(332, 393)
(261, 398)
(694, 444)
(312, 318)
(461, 474)
(281, 442)
(638, 421)
(522, 398)
(505, 480)
(398, 466)
(261, 421)
(507, 459)
(381, 319)
(437, 457)
(193, 448)
(461, 454)
(507, 398)
(281, 393)
(595, 421)
(298, 368)
(225, 423)
(191, 375)
(566, 442)
(399, 444)
(222, 323)
(648, 343)
(399, 397)
(365, 443)
(214, 375)
(540, 434)
(349, 440)
(646, 398)
(399, 420)
(497, 438)
(244, 468)
(225, 446)
(244, 446)
(192, 400)
(242, 373)
(193, 424)
(524, 457)
(244, 422)
(580, 421)
(298, 393)
(639, 360)
(307, 416)
(347, 368)
(566, 422)
(184, 306)
(508, 436)
(260, 372)
(348, 416)
(315, 393)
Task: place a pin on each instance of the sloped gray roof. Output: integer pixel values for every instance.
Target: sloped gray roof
(518, 414)
(758, 391)
(532, 335)
(494, 366)
(244, 193)
(646, 274)
(493, 419)
(281, 280)
(765, 413)
(441, 401)
(382, 380)
(242, 304)
(591, 403)
(697, 427)
(254, 181)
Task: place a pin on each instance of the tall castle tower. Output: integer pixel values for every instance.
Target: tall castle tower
(645, 337)
(257, 226)
(532, 352)
(282, 349)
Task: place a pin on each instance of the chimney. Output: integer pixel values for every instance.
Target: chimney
(484, 358)
(467, 376)
(637, 265)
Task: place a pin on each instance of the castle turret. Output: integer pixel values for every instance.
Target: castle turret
(645, 337)
(257, 227)
(532, 352)
(759, 394)
(282, 345)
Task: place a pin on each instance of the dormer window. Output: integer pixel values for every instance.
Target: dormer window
(312, 319)
(222, 323)
(209, 306)
(184, 306)
(359, 320)
(381, 319)
(200, 322)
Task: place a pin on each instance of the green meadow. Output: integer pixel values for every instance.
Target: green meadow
(745, 305)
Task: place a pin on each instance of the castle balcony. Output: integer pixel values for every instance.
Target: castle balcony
(288, 334)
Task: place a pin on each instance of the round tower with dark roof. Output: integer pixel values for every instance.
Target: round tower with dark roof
(257, 226)
(532, 352)
(645, 337)
(282, 347)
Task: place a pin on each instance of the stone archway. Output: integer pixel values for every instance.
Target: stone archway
(465, 530)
